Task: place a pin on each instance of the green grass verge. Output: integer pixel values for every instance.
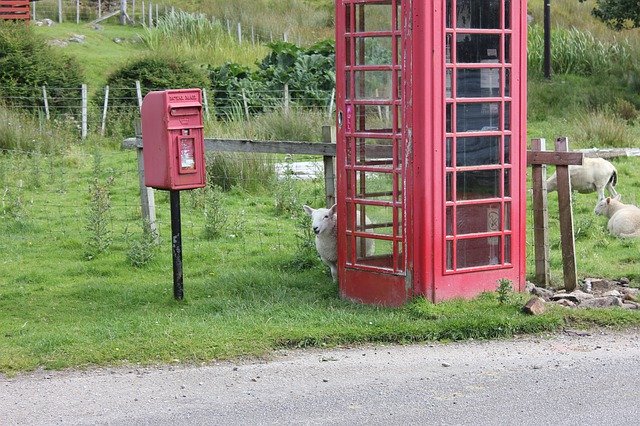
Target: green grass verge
(247, 292)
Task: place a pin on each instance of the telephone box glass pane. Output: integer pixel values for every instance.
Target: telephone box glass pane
(475, 83)
(477, 151)
(476, 13)
(373, 17)
(474, 48)
(478, 184)
(373, 51)
(483, 116)
(478, 252)
(374, 118)
(476, 218)
(373, 85)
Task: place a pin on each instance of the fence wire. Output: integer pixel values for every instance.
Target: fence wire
(48, 201)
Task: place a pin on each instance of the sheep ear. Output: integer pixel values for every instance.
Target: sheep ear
(308, 209)
(333, 209)
(618, 197)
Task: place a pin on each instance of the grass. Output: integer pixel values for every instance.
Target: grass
(247, 291)
(99, 53)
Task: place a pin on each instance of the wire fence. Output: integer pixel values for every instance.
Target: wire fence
(109, 106)
(49, 200)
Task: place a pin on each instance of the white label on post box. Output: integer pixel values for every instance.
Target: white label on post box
(187, 153)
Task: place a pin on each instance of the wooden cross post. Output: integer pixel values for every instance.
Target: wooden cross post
(540, 217)
(562, 159)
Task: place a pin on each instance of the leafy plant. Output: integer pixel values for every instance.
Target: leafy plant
(98, 217)
(142, 249)
(216, 216)
(504, 290)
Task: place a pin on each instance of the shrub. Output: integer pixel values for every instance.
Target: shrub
(154, 73)
(28, 63)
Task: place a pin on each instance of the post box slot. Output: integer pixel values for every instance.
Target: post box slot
(186, 154)
(180, 111)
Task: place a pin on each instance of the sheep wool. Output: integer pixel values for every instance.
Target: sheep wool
(595, 174)
(624, 219)
(324, 225)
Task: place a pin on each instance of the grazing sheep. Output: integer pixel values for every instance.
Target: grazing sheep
(593, 175)
(324, 225)
(624, 219)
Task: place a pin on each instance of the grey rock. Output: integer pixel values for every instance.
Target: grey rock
(535, 306)
(601, 302)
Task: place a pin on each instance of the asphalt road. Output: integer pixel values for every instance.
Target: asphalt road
(565, 379)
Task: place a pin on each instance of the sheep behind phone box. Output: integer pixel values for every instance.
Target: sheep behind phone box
(595, 174)
(324, 225)
(624, 219)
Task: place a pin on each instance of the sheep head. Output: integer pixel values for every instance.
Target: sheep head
(322, 220)
(603, 206)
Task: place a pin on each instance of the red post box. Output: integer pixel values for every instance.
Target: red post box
(173, 141)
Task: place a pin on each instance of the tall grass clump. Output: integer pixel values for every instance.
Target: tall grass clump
(604, 129)
(579, 52)
(196, 36)
(28, 133)
(297, 125)
(250, 172)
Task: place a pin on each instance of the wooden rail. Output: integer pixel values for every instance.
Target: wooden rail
(326, 149)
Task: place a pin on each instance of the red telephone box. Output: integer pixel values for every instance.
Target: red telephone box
(173, 139)
(431, 148)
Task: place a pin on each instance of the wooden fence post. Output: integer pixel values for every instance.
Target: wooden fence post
(83, 128)
(540, 218)
(46, 102)
(566, 220)
(147, 196)
(139, 95)
(329, 136)
(104, 111)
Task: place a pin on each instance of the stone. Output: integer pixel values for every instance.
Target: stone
(630, 305)
(581, 295)
(601, 302)
(535, 306)
(566, 296)
(566, 302)
(77, 38)
(543, 293)
(614, 293)
(601, 285)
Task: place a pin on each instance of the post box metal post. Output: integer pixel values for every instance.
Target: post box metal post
(173, 155)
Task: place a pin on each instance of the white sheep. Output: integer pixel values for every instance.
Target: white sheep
(593, 175)
(324, 225)
(624, 219)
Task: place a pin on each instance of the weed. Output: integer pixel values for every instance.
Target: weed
(216, 216)
(142, 249)
(286, 192)
(504, 290)
(98, 218)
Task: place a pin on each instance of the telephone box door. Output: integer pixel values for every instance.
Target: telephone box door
(372, 58)
(480, 158)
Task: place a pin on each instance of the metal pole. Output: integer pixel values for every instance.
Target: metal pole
(547, 39)
(176, 245)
